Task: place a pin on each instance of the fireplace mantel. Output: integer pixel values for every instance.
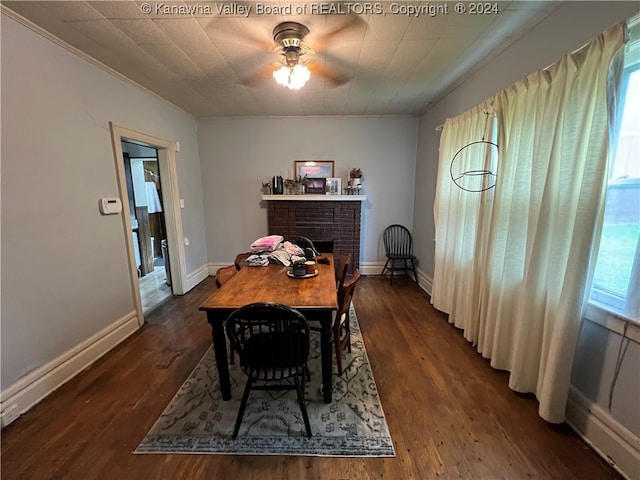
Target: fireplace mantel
(316, 198)
(328, 219)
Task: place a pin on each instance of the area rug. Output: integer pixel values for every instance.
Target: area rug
(198, 421)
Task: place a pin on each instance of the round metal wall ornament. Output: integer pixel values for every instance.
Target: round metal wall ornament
(479, 179)
(474, 180)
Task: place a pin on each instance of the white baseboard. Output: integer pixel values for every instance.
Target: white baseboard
(425, 282)
(29, 390)
(371, 268)
(213, 267)
(375, 268)
(194, 278)
(617, 445)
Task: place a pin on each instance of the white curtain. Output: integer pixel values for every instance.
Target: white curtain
(459, 217)
(512, 263)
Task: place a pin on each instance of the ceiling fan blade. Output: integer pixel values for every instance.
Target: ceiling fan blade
(351, 23)
(333, 77)
(230, 30)
(260, 78)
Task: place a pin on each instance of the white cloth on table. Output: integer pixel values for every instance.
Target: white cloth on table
(293, 249)
(258, 260)
(280, 256)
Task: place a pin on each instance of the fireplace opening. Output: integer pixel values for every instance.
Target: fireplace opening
(323, 246)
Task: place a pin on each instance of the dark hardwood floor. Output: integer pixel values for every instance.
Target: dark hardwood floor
(450, 414)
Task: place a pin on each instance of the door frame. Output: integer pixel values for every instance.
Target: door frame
(171, 203)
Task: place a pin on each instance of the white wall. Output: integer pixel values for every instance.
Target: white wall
(238, 154)
(570, 26)
(65, 274)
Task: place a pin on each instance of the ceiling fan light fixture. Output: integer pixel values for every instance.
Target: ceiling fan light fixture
(299, 76)
(289, 36)
(282, 75)
(292, 77)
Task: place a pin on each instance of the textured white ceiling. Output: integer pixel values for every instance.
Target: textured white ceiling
(211, 59)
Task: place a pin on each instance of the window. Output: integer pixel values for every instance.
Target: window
(615, 283)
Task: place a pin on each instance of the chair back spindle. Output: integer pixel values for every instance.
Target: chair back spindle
(341, 269)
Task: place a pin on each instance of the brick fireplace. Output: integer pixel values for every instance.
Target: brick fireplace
(329, 221)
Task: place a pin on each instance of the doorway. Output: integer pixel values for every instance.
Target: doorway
(148, 229)
(168, 256)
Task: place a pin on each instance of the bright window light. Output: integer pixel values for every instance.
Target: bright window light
(615, 279)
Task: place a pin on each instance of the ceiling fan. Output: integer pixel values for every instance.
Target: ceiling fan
(293, 70)
(293, 73)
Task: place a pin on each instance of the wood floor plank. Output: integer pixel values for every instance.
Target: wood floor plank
(450, 414)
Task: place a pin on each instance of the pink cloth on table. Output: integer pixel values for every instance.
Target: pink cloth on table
(266, 244)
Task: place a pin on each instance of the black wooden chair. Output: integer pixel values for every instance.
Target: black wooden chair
(341, 269)
(398, 248)
(272, 341)
(341, 325)
(223, 275)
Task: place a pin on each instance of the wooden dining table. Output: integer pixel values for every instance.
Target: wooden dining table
(315, 297)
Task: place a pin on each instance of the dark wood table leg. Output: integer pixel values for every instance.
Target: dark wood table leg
(216, 320)
(326, 354)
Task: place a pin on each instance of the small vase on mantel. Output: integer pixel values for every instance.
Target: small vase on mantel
(355, 179)
(296, 186)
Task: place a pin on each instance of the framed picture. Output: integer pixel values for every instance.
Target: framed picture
(315, 185)
(333, 186)
(313, 168)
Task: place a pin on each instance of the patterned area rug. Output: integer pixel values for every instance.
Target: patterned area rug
(198, 421)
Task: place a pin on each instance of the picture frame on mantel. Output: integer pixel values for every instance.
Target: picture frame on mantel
(315, 186)
(313, 168)
(333, 186)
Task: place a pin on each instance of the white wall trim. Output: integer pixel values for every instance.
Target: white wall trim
(172, 208)
(617, 445)
(425, 282)
(375, 268)
(612, 322)
(194, 278)
(371, 268)
(35, 386)
(212, 267)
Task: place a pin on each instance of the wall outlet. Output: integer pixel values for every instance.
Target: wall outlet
(9, 415)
